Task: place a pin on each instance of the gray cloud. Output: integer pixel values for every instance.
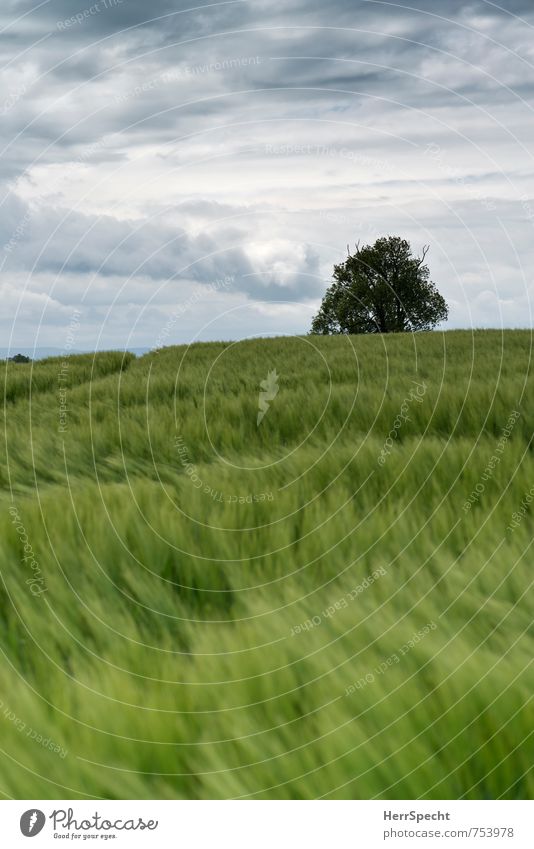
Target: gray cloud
(63, 242)
(170, 146)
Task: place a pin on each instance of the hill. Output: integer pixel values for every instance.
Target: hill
(332, 603)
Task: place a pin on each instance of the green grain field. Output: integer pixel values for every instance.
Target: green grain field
(335, 603)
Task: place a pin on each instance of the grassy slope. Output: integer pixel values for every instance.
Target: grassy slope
(161, 655)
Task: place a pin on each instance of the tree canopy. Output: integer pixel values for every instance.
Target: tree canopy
(381, 288)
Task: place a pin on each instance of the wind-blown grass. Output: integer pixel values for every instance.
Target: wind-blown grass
(164, 645)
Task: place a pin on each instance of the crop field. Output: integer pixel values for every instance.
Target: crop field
(332, 600)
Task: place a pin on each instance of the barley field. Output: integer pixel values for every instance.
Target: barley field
(333, 603)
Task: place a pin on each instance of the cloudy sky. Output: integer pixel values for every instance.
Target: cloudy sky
(172, 171)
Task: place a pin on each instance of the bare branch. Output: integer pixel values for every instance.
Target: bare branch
(426, 249)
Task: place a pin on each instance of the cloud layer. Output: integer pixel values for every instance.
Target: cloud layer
(148, 152)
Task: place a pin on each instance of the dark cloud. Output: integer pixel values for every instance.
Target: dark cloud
(63, 242)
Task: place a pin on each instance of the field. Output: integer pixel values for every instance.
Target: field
(334, 603)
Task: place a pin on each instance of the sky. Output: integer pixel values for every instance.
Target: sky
(173, 172)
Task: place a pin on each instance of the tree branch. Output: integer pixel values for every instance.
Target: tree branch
(426, 249)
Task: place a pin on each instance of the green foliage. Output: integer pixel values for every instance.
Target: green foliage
(167, 656)
(20, 358)
(381, 289)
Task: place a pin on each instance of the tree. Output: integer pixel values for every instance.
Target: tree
(20, 358)
(381, 288)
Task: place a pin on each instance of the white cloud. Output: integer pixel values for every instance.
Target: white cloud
(124, 173)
